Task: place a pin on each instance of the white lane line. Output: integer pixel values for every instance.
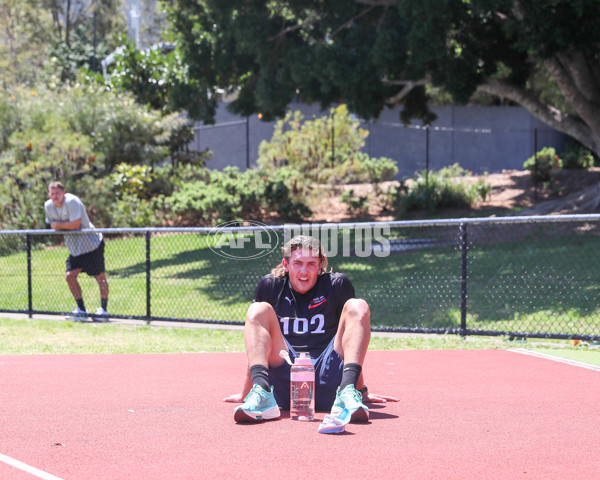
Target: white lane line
(556, 359)
(27, 468)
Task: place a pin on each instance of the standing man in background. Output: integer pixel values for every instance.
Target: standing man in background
(65, 211)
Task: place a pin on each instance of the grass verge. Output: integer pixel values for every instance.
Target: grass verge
(33, 337)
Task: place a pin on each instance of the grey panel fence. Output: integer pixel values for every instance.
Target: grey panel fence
(514, 276)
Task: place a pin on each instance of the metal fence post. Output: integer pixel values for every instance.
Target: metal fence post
(535, 164)
(427, 161)
(148, 284)
(463, 279)
(247, 142)
(29, 280)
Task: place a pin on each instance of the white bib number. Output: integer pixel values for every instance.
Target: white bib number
(301, 325)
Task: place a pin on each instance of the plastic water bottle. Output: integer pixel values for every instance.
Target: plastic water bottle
(302, 389)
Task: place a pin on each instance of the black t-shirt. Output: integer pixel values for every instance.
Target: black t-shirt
(308, 321)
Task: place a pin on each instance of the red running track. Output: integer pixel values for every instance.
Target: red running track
(490, 414)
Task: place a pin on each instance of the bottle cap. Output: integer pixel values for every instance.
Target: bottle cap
(303, 359)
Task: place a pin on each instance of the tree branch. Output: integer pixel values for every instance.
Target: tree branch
(407, 86)
(378, 3)
(581, 74)
(309, 21)
(552, 117)
(293, 28)
(572, 78)
(349, 22)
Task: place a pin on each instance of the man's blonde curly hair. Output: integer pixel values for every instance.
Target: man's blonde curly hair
(304, 242)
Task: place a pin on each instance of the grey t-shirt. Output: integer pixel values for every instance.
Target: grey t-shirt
(72, 209)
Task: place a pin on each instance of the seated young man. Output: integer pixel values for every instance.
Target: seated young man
(302, 307)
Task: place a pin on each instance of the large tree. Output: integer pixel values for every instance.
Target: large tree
(24, 32)
(373, 53)
(55, 36)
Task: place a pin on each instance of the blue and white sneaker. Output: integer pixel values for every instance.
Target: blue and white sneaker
(351, 399)
(78, 315)
(101, 315)
(331, 424)
(258, 405)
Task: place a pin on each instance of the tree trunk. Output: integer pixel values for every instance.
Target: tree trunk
(68, 23)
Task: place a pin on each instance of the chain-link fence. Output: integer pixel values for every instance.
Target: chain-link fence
(520, 276)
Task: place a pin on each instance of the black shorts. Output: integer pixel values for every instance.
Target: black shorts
(91, 263)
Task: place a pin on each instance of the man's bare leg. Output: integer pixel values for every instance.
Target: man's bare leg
(264, 341)
(103, 285)
(262, 336)
(354, 331)
(71, 278)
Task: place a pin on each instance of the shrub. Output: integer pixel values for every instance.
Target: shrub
(300, 154)
(577, 156)
(21, 208)
(542, 163)
(279, 201)
(483, 190)
(356, 204)
(233, 195)
(77, 135)
(306, 146)
(379, 170)
(132, 180)
(433, 191)
(8, 119)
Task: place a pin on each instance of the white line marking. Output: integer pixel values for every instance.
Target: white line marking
(27, 468)
(575, 363)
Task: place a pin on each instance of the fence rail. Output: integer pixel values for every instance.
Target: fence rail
(514, 276)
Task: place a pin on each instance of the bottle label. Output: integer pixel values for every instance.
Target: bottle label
(302, 376)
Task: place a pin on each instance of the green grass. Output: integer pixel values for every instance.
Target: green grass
(29, 337)
(20, 337)
(581, 354)
(524, 279)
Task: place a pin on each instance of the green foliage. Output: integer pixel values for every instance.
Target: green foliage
(483, 190)
(87, 36)
(20, 208)
(131, 211)
(25, 32)
(40, 41)
(132, 179)
(117, 129)
(79, 53)
(356, 204)
(432, 191)
(231, 195)
(150, 74)
(375, 54)
(98, 196)
(261, 50)
(279, 201)
(577, 156)
(379, 170)
(178, 140)
(123, 131)
(307, 146)
(301, 153)
(542, 163)
(8, 118)
(77, 135)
